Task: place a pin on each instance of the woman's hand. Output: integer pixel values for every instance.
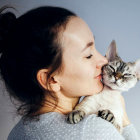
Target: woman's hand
(125, 117)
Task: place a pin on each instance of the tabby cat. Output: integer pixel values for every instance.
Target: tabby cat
(117, 76)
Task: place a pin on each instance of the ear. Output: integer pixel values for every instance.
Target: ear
(111, 53)
(137, 68)
(52, 84)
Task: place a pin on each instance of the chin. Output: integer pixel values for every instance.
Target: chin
(99, 87)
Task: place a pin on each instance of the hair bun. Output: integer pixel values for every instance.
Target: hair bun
(7, 21)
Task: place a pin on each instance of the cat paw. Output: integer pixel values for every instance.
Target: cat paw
(106, 115)
(75, 116)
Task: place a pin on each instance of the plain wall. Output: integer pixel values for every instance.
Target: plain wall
(108, 19)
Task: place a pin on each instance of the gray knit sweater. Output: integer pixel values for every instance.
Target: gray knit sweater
(52, 126)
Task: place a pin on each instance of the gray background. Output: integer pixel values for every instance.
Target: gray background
(108, 19)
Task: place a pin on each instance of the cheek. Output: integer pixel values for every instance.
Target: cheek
(78, 80)
(80, 69)
(129, 83)
(78, 74)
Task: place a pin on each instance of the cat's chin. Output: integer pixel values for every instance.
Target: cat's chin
(114, 87)
(119, 89)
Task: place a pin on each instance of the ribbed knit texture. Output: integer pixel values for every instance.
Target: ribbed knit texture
(52, 126)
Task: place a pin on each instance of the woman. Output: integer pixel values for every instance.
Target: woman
(48, 62)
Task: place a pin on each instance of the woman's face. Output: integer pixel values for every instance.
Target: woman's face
(82, 62)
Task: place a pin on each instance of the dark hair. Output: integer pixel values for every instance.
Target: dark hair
(30, 43)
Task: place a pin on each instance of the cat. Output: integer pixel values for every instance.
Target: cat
(117, 76)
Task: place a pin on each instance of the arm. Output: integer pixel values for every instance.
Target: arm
(129, 131)
(97, 128)
(87, 106)
(102, 129)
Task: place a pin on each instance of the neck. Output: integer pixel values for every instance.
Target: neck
(64, 106)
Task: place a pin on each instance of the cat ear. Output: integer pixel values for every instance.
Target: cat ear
(137, 68)
(111, 53)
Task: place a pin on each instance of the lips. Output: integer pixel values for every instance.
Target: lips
(98, 76)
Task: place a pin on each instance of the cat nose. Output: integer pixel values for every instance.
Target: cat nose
(118, 75)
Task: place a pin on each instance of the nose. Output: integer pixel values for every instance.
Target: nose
(101, 60)
(118, 75)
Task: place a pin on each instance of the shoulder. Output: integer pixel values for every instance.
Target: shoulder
(30, 129)
(53, 125)
(49, 122)
(99, 128)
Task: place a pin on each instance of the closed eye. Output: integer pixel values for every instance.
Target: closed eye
(89, 56)
(127, 75)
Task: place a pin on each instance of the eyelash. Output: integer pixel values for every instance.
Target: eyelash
(89, 56)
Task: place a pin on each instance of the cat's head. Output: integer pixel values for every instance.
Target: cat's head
(118, 74)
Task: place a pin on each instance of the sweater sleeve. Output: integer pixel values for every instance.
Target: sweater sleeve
(130, 133)
(100, 129)
(104, 130)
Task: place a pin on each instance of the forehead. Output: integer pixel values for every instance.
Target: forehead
(78, 27)
(122, 66)
(76, 34)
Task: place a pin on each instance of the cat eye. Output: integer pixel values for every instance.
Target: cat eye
(127, 75)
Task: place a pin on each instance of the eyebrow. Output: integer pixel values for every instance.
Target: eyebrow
(87, 46)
